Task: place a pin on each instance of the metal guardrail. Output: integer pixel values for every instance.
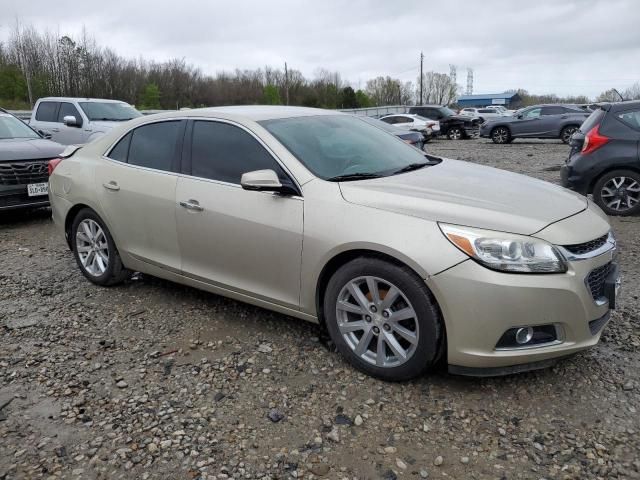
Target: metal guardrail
(369, 112)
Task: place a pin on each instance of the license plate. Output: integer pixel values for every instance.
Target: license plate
(37, 189)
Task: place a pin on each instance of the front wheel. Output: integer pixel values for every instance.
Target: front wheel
(618, 192)
(501, 135)
(567, 132)
(383, 319)
(455, 133)
(95, 250)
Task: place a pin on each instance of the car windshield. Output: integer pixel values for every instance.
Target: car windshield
(11, 127)
(446, 111)
(109, 111)
(333, 146)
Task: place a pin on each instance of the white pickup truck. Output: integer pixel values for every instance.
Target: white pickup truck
(78, 120)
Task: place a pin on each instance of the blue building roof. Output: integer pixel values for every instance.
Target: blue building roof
(487, 96)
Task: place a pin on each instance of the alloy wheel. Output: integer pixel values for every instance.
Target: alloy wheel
(455, 134)
(621, 193)
(567, 133)
(500, 135)
(377, 321)
(92, 247)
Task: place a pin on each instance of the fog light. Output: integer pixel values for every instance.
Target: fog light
(524, 335)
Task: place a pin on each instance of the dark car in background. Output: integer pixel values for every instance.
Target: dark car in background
(452, 125)
(537, 121)
(413, 138)
(24, 160)
(605, 160)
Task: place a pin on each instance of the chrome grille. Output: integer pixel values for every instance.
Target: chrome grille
(23, 173)
(596, 279)
(586, 247)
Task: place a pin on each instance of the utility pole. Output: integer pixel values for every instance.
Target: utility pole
(286, 83)
(421, 62)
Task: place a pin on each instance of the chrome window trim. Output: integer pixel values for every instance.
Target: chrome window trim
(232, 185)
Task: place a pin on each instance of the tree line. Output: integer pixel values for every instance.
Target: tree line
(36, 64)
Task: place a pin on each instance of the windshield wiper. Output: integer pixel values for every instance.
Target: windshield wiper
(411, 167)
(353, 176)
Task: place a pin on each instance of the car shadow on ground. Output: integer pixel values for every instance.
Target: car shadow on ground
(20, 216)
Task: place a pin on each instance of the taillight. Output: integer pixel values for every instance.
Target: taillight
(53, 164)
(594, 140)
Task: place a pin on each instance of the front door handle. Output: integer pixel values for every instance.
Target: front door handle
(192, 205)
(111, 186)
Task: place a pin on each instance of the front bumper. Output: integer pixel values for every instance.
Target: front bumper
(15, 196)
(479, 305)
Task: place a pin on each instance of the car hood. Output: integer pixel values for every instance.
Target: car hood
(28, 149)
(462, 193)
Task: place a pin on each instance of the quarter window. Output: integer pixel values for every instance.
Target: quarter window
(47, 111)
(154, 145)
(224, 152)
(121, 150)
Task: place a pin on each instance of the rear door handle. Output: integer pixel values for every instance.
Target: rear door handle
(192, 205)
(111, 186)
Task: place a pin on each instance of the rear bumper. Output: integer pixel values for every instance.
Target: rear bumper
(572, 180)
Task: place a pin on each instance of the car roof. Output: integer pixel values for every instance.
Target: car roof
(256, 113)
(617, 106)
(81, 99)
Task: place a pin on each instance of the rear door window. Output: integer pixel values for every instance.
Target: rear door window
(47, 111)
(631, 118)
(155, 145)
(552, 111)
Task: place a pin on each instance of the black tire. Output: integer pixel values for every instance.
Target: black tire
(604, 187)
(455, 133)
(115, 271)
(501, 135)
(428, 327)
(566, 132)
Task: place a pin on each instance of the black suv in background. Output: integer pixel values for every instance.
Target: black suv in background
(605, 160)
(537, 121)
(452, 125)
(24, 159)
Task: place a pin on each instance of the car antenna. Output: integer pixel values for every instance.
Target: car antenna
(621, 97)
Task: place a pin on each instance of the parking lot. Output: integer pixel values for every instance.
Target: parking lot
(157, 380)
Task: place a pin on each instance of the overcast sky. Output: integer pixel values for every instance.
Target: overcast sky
(564, 47)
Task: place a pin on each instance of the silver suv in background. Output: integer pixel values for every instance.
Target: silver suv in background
(78, 120)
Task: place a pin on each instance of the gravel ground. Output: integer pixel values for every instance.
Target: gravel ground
(155, 380)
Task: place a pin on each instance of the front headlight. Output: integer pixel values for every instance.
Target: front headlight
(506, 252)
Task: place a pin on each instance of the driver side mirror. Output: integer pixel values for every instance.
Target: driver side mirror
(71, 121)
(261, 180)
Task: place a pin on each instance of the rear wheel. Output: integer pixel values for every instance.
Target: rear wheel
(618, 192)
(455, 133)
(95, 250)
(501, 135)
(382, 318)
(566, 132)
